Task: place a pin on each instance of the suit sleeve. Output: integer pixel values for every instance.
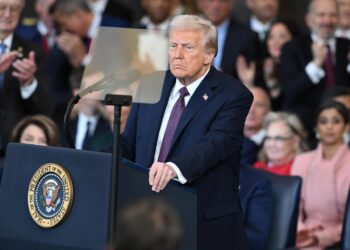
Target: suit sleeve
(40, 101)
(259, 215)
(293, 77)
(221, 142)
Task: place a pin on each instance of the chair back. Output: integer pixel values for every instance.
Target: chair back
(346, 226)
(286, 196)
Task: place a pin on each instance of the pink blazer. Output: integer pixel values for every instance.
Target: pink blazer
(324, 191)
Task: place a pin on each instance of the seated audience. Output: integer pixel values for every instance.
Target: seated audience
(148, 224)
(326, 180)
(256, 201)
(284, 139)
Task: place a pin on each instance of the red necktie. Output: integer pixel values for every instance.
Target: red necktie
(330, 76)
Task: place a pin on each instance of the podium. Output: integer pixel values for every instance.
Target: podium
(86, 224)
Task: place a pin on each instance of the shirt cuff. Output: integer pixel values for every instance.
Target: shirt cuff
(86, 60)
(27, 91)
(180, 177)
(314, 73)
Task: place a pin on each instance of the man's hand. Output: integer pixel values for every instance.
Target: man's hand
(319, 53)
(73, 47)
(25, 69)
(6, 60)
(159, 176)
(245, 70)
(306, 239)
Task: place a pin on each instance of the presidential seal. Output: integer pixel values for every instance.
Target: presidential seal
(50, 195)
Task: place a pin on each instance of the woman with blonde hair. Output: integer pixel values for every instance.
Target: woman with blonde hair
(285, 138)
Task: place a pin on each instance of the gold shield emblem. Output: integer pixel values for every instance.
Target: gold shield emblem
(50, 195)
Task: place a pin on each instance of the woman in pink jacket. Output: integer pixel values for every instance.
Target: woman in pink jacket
(326, 180)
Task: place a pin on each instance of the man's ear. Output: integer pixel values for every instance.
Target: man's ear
(209, 57)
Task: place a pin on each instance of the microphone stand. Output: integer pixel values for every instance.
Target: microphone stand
(117, 101)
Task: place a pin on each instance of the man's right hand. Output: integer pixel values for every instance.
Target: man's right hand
(6, 60)
(319, 53)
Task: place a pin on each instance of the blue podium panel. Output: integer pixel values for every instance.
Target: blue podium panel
(86, 226)
(133, 184)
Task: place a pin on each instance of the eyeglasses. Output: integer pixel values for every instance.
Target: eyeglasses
(14, 9)
(278, 139)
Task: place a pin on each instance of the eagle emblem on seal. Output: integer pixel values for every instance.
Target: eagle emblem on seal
(50, 193)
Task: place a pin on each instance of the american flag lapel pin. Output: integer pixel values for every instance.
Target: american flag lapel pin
(205, 97)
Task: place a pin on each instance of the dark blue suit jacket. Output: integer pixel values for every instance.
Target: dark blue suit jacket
(206, 148)
(101, 138)
(256, 201)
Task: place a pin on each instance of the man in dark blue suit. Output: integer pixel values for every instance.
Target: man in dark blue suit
(194, 133)
(256, 200)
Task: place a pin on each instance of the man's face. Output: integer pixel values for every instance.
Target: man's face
(188, 58)
(157, 10)
(42, 8)
(264, 10)
(216, 10)
(323, 18)
(10, 11)
(70, 23)
(260, 107)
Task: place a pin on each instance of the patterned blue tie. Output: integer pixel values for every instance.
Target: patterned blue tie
(2, 51)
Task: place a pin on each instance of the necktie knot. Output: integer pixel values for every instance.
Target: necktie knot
(183, 92)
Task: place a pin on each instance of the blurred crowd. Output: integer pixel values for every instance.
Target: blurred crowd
(300, 79)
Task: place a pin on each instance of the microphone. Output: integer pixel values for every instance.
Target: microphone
(111, 81)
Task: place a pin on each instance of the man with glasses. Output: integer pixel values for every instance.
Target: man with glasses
(22, 90)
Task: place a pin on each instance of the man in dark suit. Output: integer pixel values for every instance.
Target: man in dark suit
(234, 39)
(22, 81)
(77, 25)
(256, 200)
(314, 63)
(193, 134)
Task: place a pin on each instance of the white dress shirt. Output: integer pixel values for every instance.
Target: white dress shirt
(174, 96)
(146, 21)
(259, 27)
(222, 33)
(82, 127)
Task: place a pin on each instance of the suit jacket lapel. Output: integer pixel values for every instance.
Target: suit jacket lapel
(203, 95)
(157, 111)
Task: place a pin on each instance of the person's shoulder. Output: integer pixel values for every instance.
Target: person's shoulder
(301, 163)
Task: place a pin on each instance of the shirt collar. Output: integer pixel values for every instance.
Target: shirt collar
(96, 22)
(342, 33)
(8, 42)
(258, 26)
(223, 26)
(330, 41)
(191, 88)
